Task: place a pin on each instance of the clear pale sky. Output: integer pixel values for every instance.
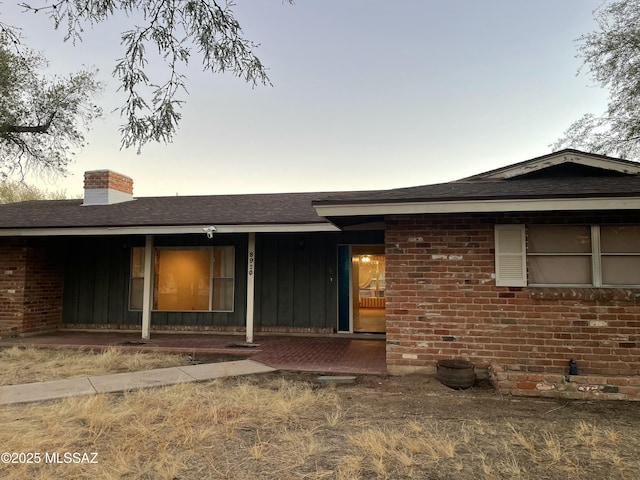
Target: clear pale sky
(367, 94)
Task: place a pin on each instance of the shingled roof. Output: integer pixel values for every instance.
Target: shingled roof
(255, 209)
(567, 175)
(540, 188)
(565, 180)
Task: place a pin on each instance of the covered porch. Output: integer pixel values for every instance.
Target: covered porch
(322, 354)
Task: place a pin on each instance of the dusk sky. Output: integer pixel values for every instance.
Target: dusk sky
(367, 94)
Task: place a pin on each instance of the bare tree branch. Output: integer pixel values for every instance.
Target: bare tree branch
(42, 128)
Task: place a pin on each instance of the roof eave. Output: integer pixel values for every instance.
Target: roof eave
(333, 210)
(602, 162)
(167, 230)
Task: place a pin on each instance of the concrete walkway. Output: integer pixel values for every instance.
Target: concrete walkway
(121, 382)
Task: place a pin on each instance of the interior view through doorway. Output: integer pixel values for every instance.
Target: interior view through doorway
(362, 300)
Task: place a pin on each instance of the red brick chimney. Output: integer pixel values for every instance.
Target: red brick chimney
(104, 187)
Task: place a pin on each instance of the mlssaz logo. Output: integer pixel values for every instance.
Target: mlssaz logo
(71, 457)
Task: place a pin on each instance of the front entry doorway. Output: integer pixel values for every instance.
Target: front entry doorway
(361, 284)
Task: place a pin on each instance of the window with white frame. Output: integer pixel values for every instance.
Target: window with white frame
(620, 255)
(559, 255)
(223, 279)
(568, 255)
(136, 278)
(186, 279)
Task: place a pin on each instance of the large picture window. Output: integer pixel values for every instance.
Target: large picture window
(568, 255)
(182, 279)
(188, 279)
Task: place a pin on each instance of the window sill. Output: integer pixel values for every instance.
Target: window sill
(585, 293)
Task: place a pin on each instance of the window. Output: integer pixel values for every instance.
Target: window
(187, 279)
(182, 279)
(136, 279)
(559, 255)
(223, 278)
(620, 254)
(570, 255)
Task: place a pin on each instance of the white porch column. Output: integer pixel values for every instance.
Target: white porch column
(148, 281)
(251, 266)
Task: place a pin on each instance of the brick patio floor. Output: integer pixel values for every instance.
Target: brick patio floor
(333, 354)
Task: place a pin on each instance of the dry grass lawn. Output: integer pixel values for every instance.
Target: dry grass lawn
(286, 426)
(27, 365)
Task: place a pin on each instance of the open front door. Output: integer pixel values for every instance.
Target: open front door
(361, 287)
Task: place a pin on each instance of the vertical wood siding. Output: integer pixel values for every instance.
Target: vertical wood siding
(96, 282)
(296, 280)
(296, 277)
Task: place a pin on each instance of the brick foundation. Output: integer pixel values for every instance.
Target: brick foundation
(442, 302)
(582, 387)
(198, 328)
(31, 282)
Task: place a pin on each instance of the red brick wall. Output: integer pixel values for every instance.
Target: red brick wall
(12, 278)
(108, 179)
(442, 302)
(31, 282)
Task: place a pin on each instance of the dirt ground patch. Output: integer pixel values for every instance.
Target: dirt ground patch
(286, 425)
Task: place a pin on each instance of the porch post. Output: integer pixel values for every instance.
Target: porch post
(251, 265)
(146, 301)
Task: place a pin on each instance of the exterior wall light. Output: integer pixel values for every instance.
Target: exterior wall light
(209, 231)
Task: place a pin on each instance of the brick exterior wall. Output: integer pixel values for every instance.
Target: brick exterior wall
(96, 179)
(442, 302)
(31, 282)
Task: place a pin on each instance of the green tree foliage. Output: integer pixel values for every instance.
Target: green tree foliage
(12, 191)
(175, 29)
(612, 56)
(42, 119)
